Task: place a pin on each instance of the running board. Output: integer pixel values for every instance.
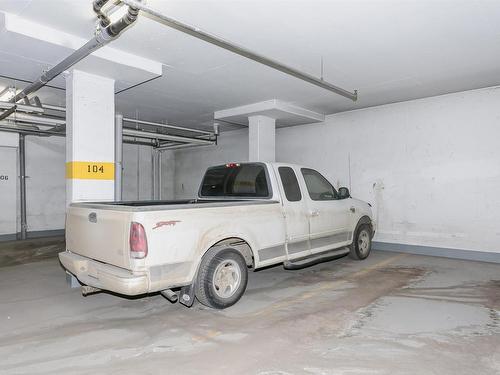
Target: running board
(315, 259)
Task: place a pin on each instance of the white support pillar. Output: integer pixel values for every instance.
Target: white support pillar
(90, 137)
(261, 138)
(90, 140)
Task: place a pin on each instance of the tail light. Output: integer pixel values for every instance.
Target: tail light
(138, 241)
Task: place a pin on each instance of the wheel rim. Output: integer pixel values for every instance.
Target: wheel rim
(364, 242)
(227, 278)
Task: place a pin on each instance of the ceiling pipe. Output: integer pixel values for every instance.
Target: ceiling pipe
(10, 124)
(136, 121)
(47, 121)
(54, 107)
(166, 137)
(102, 38)
(132, 141)
(239, 50)
(8, 112)
(131, 120)
(15, 127)
(27, 130)
(180, 146)
(21, 107)
(104, 21)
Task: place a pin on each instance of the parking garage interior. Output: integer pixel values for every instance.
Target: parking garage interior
(127, 103)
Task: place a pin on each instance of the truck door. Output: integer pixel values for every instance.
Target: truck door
(328, 216)
(296, 213)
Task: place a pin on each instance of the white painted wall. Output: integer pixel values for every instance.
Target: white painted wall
(137, 172)
(430, 167)
(46, 183)
(167, 175)
(8, 183)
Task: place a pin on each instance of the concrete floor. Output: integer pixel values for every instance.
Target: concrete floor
(391, 314)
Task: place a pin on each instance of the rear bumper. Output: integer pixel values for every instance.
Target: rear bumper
(104, 276)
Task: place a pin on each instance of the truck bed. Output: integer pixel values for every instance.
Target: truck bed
(156, 205)
(101, 230)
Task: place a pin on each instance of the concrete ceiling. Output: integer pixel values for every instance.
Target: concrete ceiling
(389, 50)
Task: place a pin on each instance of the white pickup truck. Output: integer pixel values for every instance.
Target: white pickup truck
(247, 215)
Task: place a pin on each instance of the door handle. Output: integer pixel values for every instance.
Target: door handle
(314, 213)
(352, 209)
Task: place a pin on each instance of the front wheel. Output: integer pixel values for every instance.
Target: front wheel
(222, 278)
(362, 243)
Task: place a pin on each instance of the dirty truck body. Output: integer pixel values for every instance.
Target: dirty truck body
(246, 215)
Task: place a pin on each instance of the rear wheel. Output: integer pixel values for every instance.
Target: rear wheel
(222, 278)
(362, 243)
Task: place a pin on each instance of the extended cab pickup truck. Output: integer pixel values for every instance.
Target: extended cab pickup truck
(247, 215)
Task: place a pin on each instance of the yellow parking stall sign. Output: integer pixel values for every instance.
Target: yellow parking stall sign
(89, 170)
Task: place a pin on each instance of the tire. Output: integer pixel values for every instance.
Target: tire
(222, 278)
(362, 243)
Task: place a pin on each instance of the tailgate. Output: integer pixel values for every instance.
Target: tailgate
(100, 234)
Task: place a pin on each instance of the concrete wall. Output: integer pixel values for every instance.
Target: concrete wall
(167, 175)
(45, 185)
(430, 167)
(9, 183)
(137, 173)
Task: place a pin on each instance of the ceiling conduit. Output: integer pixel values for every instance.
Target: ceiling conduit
(16, 126)
(29, 109)
(103, 37)
(19, 124)
(242, 51)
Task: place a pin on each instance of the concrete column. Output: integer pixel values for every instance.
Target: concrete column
(90, 137)
(261, 138)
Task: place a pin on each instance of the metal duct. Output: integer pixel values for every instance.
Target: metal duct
(242, 51)
(102, 38)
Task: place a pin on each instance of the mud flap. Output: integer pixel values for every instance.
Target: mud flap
(186, 296)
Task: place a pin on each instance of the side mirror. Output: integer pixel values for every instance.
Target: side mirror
(344, 193)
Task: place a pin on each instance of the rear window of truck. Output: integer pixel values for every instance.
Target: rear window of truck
(236, 180)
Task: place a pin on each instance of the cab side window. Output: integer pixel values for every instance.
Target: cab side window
(290, 184)
(318, 187)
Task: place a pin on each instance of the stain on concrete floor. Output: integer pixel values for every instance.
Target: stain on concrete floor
(29, 251)
(390, 314)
